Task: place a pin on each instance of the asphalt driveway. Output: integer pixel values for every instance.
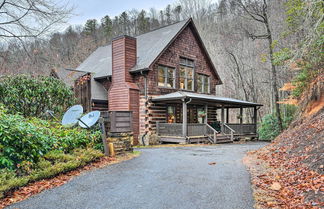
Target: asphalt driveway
(160, 178)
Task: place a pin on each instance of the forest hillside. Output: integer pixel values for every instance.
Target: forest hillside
(268, 52)
(250, 42)
(288, 173)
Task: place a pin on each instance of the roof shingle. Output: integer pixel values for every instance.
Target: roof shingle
(149, 46)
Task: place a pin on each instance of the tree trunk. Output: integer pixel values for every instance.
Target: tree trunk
(274, 76)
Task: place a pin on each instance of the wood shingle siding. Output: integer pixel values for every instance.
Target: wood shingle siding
(124, 93)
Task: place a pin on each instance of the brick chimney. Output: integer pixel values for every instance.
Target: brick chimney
(123, 94)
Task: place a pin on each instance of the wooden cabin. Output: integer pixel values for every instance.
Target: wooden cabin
(168, 81)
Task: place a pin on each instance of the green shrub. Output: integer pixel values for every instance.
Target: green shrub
(301, 82)
(32, 96)
(9, 181)
(269, 128)
(26, 140)
(21, 141)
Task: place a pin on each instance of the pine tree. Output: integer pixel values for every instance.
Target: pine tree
(106, 25)
(90, 27)
(124, 22)
(143, 22)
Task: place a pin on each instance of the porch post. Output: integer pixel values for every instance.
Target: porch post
(206, 111)
(184, 118)
(255, 118)
(227, 116)
(222, 119)
(241, 119)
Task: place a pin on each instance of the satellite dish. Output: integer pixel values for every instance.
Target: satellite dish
(72, 115)
(89, 119)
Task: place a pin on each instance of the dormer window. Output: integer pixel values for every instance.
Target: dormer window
(203, 84)
(166, 76)
(186, 74)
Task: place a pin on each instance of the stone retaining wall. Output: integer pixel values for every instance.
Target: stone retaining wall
(123, 142)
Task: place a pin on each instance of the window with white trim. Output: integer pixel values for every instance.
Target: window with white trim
(186, 74)
(166, 76)
(203, 83)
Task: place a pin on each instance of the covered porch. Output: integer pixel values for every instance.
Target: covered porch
(194, 118)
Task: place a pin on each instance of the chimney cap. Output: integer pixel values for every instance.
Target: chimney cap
(123, 36)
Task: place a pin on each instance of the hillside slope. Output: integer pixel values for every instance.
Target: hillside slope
(289, 172)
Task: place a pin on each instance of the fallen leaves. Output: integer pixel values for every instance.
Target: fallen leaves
(288, 173)
(275, 186)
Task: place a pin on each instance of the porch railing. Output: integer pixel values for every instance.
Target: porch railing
(201, 129)
(241, 129)
(211, 133)
(193, 130)
(169, 129)
(196, 129)
(230, 130)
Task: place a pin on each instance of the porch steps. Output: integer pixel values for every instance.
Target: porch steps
(222, 139)
(173, 139)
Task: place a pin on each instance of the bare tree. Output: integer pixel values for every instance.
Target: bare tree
(258, 11)
(197, 9)
(21, 19)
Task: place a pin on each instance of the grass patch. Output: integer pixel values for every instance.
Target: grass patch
(136, 152)
(173, 145)
(53, 164)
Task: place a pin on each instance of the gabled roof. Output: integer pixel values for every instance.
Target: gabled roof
(149, 47)
(183, 95)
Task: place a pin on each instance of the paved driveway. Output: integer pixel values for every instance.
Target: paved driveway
(160, 178)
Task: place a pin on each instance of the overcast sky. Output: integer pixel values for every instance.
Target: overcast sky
(96, 9)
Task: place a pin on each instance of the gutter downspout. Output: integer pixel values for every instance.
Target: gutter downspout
(145, 83)
(185, 117)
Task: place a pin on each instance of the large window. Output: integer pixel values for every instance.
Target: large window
(186, 74)
(203, 83)
(166, 77)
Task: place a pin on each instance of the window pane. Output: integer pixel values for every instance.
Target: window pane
(200, 83)
(161, 81)
(160, 76)
(190, 63)
(161, 71)
(182, 72)
(182, 61)
(170, 78)
(182, 83)
(206, 87)
(189, 83)
(189, 72)
(206, 84)
(171, 72)
(170, 83)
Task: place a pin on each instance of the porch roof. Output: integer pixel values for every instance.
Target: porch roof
(179, 95)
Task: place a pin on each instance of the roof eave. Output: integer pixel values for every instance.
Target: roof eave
(102, 77)
(139, 70)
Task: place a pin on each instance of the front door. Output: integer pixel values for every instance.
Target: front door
(192, 114)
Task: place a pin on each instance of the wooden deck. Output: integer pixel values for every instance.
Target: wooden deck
(203, 133)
